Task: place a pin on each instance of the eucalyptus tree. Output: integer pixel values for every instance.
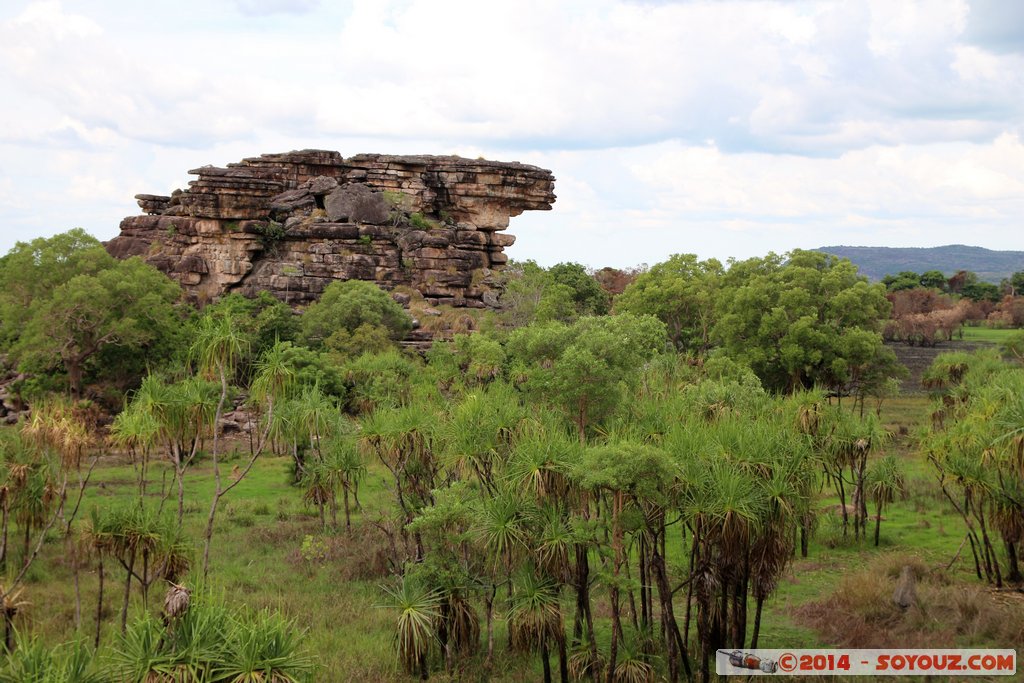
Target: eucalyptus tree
(681, 292)
(583, 369)
(803, 319)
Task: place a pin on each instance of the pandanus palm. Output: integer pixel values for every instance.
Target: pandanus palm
(500, 531)
(403, 440)
(535, 619)
(218, 350)
(345, 469)
(885, 481)
(481, 431)
(725, 511)
(415, 632)
(137, 431)
(630, 475)
(182, 413)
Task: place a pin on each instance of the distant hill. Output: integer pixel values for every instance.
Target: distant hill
(877, 262)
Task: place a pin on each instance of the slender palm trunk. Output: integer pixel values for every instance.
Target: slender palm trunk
(563, 658)
(1013, 574)
(878, 521)
(3, 530)
(545, 658)
(99, 606)
(489, 605)
(757, 622)
(127, 594)
(613, 650)
(218, 492)
(348, 519)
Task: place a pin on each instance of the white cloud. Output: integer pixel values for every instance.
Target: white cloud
(716, 127)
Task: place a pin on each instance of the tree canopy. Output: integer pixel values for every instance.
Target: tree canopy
(352, 307)
(681, 293)
(799, 321)
(125, 305)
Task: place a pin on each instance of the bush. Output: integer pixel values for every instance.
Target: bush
(348, 306)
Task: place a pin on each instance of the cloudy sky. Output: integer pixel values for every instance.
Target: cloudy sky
(719, 128)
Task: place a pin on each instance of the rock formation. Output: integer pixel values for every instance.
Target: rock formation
(293, 223)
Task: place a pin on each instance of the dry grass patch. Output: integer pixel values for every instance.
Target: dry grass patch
(861, 612)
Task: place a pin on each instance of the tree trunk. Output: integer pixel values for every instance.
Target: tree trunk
(674, 642)
(127, 594)
(563, 658)
(74, 368)
(1013, 568)
(3, 532)
(757, 622)
(348, 519)
(878, 522)
(78, 595)
(179, 472)
(489, 606)
(842, 499)
(218, 491)
(545, 658)
(613, 650)
(99, 607)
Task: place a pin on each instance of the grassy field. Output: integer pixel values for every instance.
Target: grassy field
(991, 335)
(838, 596)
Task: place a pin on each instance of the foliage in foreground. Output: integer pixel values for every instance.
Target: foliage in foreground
(210, 643)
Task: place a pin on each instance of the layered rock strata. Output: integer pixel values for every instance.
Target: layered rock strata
(293, 223)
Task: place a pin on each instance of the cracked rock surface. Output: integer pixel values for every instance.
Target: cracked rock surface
(292, 223)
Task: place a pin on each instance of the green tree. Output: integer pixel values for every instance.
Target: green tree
(345, 307)
(127, 304)
(587, 293)
(797, 321)
(1015, 283)
(934, 279)
(582, 368)
(906, 279)
(681, 293)
(981, 291)
(33, 270)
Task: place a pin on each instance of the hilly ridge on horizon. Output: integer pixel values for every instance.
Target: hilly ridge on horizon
(876, 262)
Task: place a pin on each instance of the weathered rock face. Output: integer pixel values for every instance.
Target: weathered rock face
(293, 223)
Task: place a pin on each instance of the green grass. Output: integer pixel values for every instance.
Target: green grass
(256, 561)
(991, 335)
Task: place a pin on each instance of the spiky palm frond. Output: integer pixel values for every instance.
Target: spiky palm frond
(500, 528)
(585, 662)
(534, 613)
(32, 661)
(419, 610)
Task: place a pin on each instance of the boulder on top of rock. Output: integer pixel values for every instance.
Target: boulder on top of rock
(291, 223)
(357, 203)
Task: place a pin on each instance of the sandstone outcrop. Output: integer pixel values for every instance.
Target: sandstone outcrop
(293, 223)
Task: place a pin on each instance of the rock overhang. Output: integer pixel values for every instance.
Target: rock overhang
(292, 223)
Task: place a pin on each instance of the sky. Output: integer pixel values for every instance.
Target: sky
(724, 129)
